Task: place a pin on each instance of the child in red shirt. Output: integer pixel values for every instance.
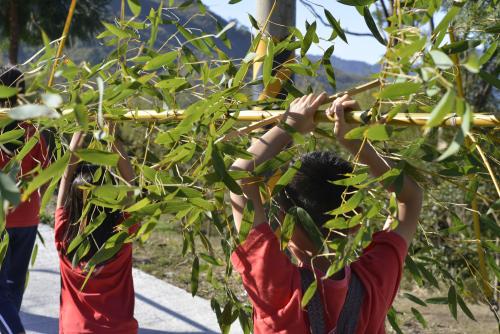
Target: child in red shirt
(274, 285)
(21, 221)
(105, 304)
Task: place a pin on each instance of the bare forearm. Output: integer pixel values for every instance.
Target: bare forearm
(264, 148)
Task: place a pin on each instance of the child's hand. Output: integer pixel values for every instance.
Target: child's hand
(300, 115)
(338, 109)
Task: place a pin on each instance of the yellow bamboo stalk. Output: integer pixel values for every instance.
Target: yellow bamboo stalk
(486, 163)
(355, 117)
(488, 292)
(64, 36)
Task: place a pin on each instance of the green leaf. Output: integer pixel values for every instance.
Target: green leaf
(247, 221)
(352, 181)
(307, 224)
(171, 84)
(419, 317)
(415, 299)
(311, 290)
(220, 170)
(98, 157)
(54, 171)
(372, 26)
(210, 259)
(164, 59)
(351, 204)
(10, 136)
(399, 89)
(195, 273)
(491, 79)
(379, 132)
(452, 301)
(135, 7)
(335, 25)
(460, 46)
(287, 177)
(444, 107)
(9, 190)
(356, 2)
(286, 231)
(6, 92)
(493, 29)
(488, 54)
(30, 111)
(308, 39)
(267, 67)
(464, 308)
(234, 1)
(116, 31)
(441, 60)
(437, 300)
(461, 134)
(472, 64)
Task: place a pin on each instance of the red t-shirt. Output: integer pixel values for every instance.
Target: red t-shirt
(27, 213)
(106, 304)
(273, 283)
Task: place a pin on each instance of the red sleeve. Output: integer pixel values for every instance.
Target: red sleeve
(379, 269)
(61, 220)
(269, 277)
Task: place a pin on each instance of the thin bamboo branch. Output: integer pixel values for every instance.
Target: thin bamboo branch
(488, 292)
(486, 163)
(64, 36)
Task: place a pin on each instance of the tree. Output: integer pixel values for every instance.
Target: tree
(24, 21)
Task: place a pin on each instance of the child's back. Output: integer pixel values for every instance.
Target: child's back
(106, 303)
(103, 303)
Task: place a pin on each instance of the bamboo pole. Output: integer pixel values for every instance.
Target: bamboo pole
(355, 117)
(64, 36)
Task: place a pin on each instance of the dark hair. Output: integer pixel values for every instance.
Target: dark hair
(88, 175)
(11, 77)
(312, 189)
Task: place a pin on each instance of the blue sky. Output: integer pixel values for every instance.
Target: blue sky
(359, 48)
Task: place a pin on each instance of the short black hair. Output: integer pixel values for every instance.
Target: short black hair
(312, 189)
(11, 77)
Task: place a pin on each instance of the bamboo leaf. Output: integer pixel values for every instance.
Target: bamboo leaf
(164, 59)
(351, 204)
(54, 171)
(444, 107)
(452, 301)
(287, 228)
(379, 132)
(287, 177)
(307, 224)
(98, 157)
(220, 170)
(356, 2)
(370, 22)
(308, 39)
(195, 272)
(335, 25)
(135, 7)
(415, 299)
(419, 317)
(441, 60)
(247, 221)
(311, 290)
(6, 92)
(400, 89)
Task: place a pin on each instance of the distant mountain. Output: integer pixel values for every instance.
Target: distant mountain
(347, 72)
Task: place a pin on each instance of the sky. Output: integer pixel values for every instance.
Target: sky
(365, 49)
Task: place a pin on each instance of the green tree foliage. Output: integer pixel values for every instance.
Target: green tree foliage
(25, 20)
(182, 166)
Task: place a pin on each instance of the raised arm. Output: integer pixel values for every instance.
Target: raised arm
(300, 116)
(409, 198)
(65, 184)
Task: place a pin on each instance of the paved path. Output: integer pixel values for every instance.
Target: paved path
(160, 307)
